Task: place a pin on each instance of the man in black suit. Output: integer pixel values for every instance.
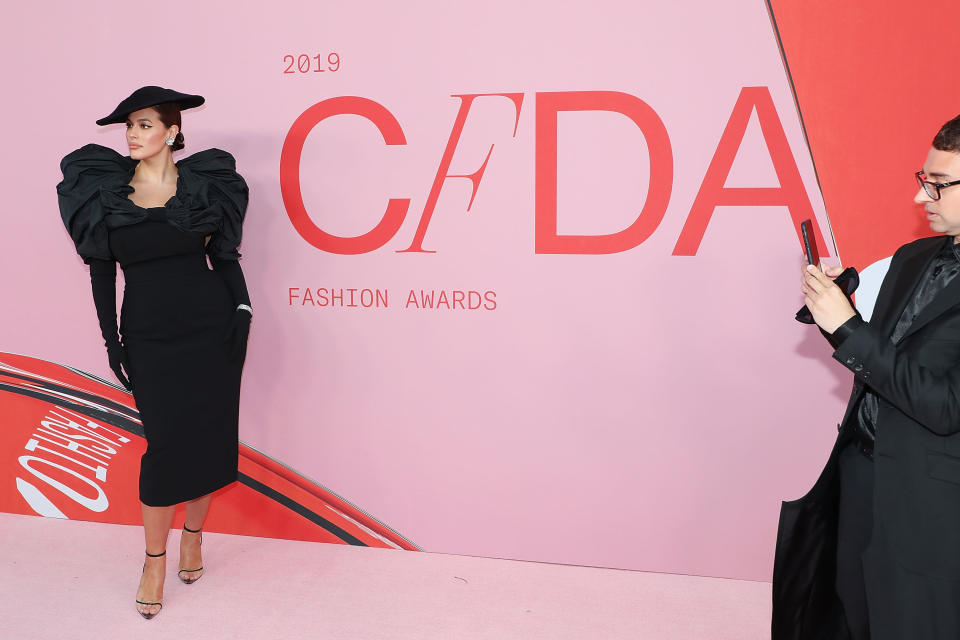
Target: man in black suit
(873, 551)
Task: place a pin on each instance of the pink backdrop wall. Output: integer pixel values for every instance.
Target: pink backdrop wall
(636, 409)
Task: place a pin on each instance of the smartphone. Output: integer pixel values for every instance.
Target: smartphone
(810, 243)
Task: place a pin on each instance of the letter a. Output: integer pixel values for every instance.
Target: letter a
(791, 192)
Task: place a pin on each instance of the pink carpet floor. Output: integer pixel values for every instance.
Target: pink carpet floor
(76, 580)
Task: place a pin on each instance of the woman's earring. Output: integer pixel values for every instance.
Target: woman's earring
(170, 141)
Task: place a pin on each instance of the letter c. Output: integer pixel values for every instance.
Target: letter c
(290, 176)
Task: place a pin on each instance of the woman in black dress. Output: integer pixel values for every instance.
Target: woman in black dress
(183, 327)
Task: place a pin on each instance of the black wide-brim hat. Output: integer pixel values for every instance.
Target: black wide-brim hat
(147, 97)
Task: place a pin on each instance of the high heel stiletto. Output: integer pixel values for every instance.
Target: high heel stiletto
(150, 604)
(182, 571)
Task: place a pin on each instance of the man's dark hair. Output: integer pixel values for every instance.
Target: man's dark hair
(948, 138)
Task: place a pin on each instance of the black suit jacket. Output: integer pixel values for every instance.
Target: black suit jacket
(916, 463)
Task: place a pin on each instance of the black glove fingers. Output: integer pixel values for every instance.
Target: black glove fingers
(117, 356)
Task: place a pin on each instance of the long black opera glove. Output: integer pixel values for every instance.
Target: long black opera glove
(103, 281)
(239, 327)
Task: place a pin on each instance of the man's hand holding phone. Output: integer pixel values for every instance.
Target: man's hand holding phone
(826, 301)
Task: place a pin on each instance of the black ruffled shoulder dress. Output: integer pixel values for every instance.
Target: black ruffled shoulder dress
(175, 309)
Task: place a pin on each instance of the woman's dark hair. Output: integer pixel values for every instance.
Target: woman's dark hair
(169, 114)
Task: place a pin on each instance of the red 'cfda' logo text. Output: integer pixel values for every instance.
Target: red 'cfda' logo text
(791, 192)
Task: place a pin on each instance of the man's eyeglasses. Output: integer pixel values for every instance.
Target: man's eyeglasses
(932, 188)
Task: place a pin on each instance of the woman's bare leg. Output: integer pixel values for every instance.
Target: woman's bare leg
(190, 555)
(156, 526)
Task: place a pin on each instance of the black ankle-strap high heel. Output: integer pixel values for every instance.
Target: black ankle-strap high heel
(182, 571)
(150, 604)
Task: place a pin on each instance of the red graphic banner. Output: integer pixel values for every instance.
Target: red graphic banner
(72, 445)
(871, 95)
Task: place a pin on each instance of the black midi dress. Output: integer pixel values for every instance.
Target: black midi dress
(175, 312)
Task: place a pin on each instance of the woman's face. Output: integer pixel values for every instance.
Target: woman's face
(146, 134)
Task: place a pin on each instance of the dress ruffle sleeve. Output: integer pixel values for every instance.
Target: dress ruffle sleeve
(85, 172)
(214, 184)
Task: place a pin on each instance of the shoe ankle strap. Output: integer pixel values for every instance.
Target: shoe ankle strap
(155, 555)
(189, 530)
